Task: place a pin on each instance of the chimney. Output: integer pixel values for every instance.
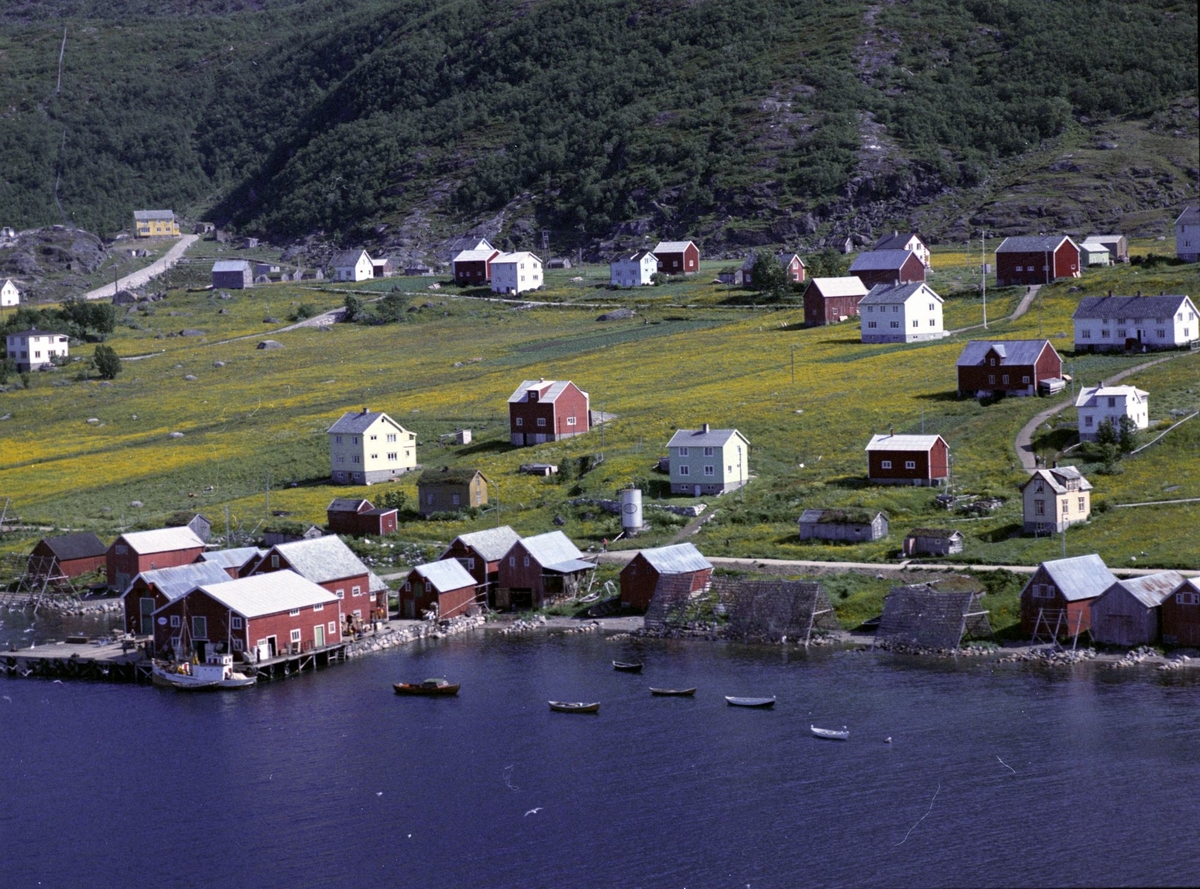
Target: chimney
(366, 410)
(1139, 293)
(1110, 294)
(891, 431)
(704, 428)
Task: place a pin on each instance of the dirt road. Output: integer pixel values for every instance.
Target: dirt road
(136, 279)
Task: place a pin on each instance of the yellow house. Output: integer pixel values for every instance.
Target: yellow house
(155, 224)
(367, 446)
(1053, 499)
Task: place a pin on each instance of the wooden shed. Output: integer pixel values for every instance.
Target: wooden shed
(356, 517)
(481, 552)
(854, 525)
(441, 590)
(1057, 599)
(933, 542)
(1128, 612)
(923, 616)
(1180, 614)
(540, 568)
(451, 490)
(68, 555)
(640, 577)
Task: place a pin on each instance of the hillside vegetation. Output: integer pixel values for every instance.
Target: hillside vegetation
(743, 122)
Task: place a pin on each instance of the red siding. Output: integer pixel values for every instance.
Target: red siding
(685, 263)
(639, 579)
(1037, 267)
(280, 625)
(929, 466)
(571, 402)
(359, 524)
(820, 310)
(991, 378)
(418, 596)
(342, 587)
(476, 271)
(69, 567)
(131, 564)
(1181, 623)
(483, 571)
(1077, 613)
(521, 571)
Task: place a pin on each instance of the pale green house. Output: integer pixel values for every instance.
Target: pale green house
(707, 461)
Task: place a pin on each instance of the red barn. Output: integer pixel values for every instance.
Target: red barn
(889, 267)
(268, 615)
(547, 410)
(151, 590)
(481, 552)
(442, 589)
(830, 300)
(538, 569)
(359, 517)
(1057, 600)
(473, 267)
(677, 257)
(908, 459)
(1015, 367)
(1036, 260)
(681, 562)
(1179, 614)
(68, 555)
(139, 551)
(329, 563)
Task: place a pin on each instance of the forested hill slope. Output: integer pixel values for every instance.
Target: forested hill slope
(742, 121)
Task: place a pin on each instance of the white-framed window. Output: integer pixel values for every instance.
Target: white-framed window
(295, 636)
(235, 622)
(1086, 334)
(332, 626)
(570, 421)
(685, 470)
(910, 464)
(683, 452)
(1025, 379)
(356, 591)
(295, 612)
(319, 606)
(1039, 507)
(237, 644)
(885, 464)
(341, 594)
(541, 421)
(708, 452)
(1081, 504)
(122, 549)
(512, 561)
(391, 438)
(392, 456)
(1187, 598)
(710, 471)
(471, 564)
(175, 622)
(1043, 591)
(199, 626)
(526, 561)
(1066, 506)
(520, 421)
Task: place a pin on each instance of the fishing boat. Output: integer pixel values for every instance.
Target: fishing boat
(575, 707)
(672, 692)
(627, 666)
(215, 673)
(832, 734)
(761, 703)
(426, 687)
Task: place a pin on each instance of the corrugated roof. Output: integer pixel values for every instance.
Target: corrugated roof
(491, 544)
(321, 559)
(888, 294)
(704, 438)
(552, 549)
(1132, 394)
(1129, 307)
(1151, 589)
(1012, 352)
(445, 575)
(1032, 243)
(678, 559)
(504, 258)
(848, 285)
(81, 545)
(1058, 477)
(162, 540)
(921, 443)
(476, 255)
(671, 246)
(230, 265)
(357, 422)
(273, 593)
(1081, 577)
(175, 582)
(232, 558)
(548, 390)
(880, 260)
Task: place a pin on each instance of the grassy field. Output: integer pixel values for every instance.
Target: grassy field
(78, 452)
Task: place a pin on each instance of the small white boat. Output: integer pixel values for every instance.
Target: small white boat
(832, 734)
(761, 703)
(215, 673)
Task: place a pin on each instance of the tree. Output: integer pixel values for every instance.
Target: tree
(106, 362)
(1126, 434)
(354, 309)
(767, 275)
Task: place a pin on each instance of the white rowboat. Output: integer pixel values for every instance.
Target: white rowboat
(831, 734)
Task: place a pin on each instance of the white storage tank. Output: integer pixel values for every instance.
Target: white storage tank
(631, 510)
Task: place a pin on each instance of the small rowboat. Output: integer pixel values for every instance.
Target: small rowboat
(673, 692)
(575, 707)
(627, 666)
(762, 703)
(428, 687)
(832, 734)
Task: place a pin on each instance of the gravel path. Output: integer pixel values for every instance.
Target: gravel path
(136, 279)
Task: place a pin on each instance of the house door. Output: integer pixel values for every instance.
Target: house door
(408, 609)
(319, 636)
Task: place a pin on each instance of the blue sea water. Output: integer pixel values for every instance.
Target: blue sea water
(996, 775)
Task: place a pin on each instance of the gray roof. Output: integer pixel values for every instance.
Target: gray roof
(1011, 352)
(548, 390)
(672, 246)
(1032, 244)
(347, 504)
(880, 260)
(887, 294)
(1189, 216)
(1151, 589)
(839, 516)
(1057, 478)
(921, 443)
(148, 215)
(1128, 307)
(445, 575)
(703, 438)
(935, 533)
(321, 559)
(895, 241)
(347, 258)
(231, 265)
(556, 551)
(357, 422)
(481, 254)
(681, 558)
(491, 544)
(175, 582)
(1081, 577)
(81, 545)
(161, 540)
(232, 558)
(272, 593)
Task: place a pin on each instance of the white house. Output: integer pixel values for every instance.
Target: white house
(1099, 403)
(901, 313)
(368, 446)
(633, 270)
(707, 461)
(1187, 235)
(9, 295)
(33, 348)
(1140, 323)
(907, 241)
(516, 272)
(352, 265)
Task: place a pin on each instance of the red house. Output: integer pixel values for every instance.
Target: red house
(1179, 614)
(792, 264)
(329, 563)
(359, 517)
(1036, 260)
(681, 562)
(474, 266)
(441, 589)
(888, 267)
(68, 555)
(538, 569)
(139, 551)
(268, 615)
(1057, 600)
(830, 300)
(237, 562)
(677, 257)
(481, 552)
(1015, 367)
(908, 459)
(547, 410)
(151, 590)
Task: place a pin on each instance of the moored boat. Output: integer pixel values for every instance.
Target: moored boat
(575, 707)
(627, 666)
(215, 673)
(761, 703)
(832, 734)
(672, 692)
(426, 687)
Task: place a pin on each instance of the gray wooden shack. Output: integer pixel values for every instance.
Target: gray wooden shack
(232, 274)
(933, 542)
(855, 525)
(1128, 613)
(923, 616)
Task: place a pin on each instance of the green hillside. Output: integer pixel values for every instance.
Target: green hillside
(747, 122)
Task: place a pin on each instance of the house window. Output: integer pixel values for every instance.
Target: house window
(355, 459)
(708, 452)
(333, 628)
(1104, 332)
(870, 324)
(683, 452)
(1025, 379)
(235, 623)
(341, 594)
(295, 612)
(1043, 591)
(392, 456)
(915, 322)
(885, 464)
(910, 464)
(570, 421)
(527, 561)
(1187, 598)
(275, 561)
(520, 421)
(1087, 421)
(1038, 486)
(1039, 507)
(991, 379)
(1081, 504)
(353, 439)
(541, 421)
(456, 499)
(1086, 335)
(320, 606)
(122, 549)
(391, 438)
(374, 456)
(295, 637)
(356, 591)
(1161, 334)
(1066, 506)
(237, 644)
(175, 621)
(1121, 332)
(685, 470)
(199, 627)
(341, 458)
(708, 470)
(512, 561)
(1005, 379)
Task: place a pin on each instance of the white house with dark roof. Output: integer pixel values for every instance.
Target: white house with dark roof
(1137, 323)
(635, 269)
(9, 294)
(1187, 235)
(33, 348)
(1054, 499)
(908, 241)
(1100, 404)
(368, 446)
(707, 461)
(901, 313)
(516, 272)
(352, 265)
